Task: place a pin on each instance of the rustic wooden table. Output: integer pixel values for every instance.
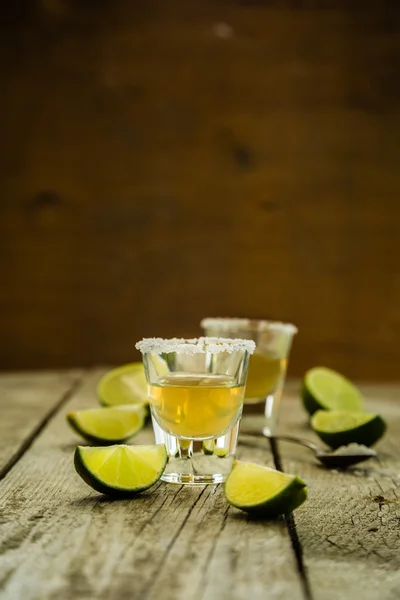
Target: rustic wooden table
(60, 540)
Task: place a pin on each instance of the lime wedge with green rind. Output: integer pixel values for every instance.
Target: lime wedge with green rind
(325, 389)
(221, 452)
(120, 470)
(340, 428)
(208, 446)
(110, 425)
(123, 385)
(263, 491)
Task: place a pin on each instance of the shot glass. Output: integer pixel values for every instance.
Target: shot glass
(268, 364)
(196, 391)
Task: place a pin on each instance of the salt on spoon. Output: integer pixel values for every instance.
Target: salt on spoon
(341, 458)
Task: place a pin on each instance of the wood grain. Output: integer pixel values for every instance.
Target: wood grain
(27, 401)
(58, 539)
(160, 165)
(349, 527)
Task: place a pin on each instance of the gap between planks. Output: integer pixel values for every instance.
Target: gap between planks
(292, 531)
(37, 430)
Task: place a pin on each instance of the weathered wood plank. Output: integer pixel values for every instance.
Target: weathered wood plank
(350, 526)
(26, 401)
(61, 540)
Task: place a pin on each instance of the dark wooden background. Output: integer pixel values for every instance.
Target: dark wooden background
(164, 161)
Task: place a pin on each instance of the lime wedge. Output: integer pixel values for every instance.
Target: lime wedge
(120, 470)
(208, 446)
(327, 390)
(221, 452)
(123, 385)
(263, 491)
(109, 425)
(340, 428)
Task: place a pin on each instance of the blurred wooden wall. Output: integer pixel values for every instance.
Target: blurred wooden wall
(164, 161)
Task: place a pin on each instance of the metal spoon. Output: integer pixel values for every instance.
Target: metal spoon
(332, 459)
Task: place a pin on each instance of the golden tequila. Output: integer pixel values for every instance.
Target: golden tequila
(194, 406)
(264, 375)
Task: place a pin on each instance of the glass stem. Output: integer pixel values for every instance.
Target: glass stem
(185, 448)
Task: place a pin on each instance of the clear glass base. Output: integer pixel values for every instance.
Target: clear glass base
(198, 462)
(193, 479)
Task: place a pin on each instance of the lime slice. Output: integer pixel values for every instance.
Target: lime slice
(340, 428)
(123, 385)
(120, 470)
(221, 452)
(325, 389)
(263, 491)
(208, 446)
(109, 425)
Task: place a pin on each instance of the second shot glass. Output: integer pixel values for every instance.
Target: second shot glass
(268, 364)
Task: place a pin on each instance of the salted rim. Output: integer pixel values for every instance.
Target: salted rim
(227, 323)
(214, 345)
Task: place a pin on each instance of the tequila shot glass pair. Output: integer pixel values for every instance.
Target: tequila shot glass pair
(197, 389)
